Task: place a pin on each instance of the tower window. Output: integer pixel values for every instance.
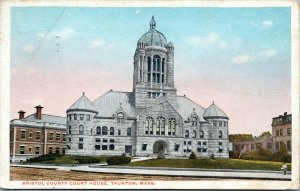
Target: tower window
(81, 130)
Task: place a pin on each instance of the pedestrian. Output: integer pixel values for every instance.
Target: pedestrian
(284, 168)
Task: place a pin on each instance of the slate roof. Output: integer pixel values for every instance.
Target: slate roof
(47, 119)
(108, 104)
(186, 107)
(83, 103)
(214, 111)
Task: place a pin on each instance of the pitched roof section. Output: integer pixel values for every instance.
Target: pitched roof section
(47, 119)
(214, 111)
(108, 104)
(187, 106)
(83, 103)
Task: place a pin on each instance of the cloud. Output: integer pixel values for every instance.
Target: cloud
(268, 53)
(210, 38)
(137, 12)
(267, 23)
(64, 34)
(241, 59)
(222, 44)
(29, 48)
(97, 43)
(41, 35)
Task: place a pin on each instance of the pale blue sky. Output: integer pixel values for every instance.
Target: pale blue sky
(235, 56)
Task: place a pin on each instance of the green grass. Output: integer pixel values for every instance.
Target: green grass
(211, 164)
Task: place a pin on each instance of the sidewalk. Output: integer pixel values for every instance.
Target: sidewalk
(203, 173)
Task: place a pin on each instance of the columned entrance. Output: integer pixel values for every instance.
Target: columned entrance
(160, 147)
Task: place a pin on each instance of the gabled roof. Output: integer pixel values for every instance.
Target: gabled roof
(47, 119)
(108, 104)
(214, 111)
(83, 103)
(187, 106)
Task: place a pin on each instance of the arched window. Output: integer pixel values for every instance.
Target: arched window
(70, 129)
(111, 131)
(120, 117)
(163, 71)
(160, 125)
(194, 121)
(128, 131)
(140, 68)
(104, 130)
(201, 134)
(149, 126)
(172, 126)
(98, 130)
(81, 129)
(156, 69)
(149, 69)
(187, 134)
(194, 134)
(220, 134)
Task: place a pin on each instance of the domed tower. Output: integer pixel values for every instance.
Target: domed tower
(80, 124)
(153, 68)
(218, 143)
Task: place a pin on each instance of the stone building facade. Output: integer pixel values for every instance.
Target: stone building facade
(35, 135)
(152, 119)
(281, 133)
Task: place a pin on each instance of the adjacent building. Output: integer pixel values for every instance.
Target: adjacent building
(281, 133)
(150, 120)
(36, 134)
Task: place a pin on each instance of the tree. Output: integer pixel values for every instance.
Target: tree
(192, 156)
(240, 137)
(265, 134)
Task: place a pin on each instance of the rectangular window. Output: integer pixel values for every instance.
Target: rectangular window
(70, 139)
(189, 142)
(214, 123)
(57, 136)
(75, 116)
(220, 123)
(277, 133)
(64, 137)
(289, 131)
(51, 136)
(81, 117)
(80, 145)
(22, 150)
(80, 139)
(98, 140)
(50, 150)
(199, 150)
(105, 141)
(111, 147)
(57, 149)
(204, 143)
(37, 150)
(30, 134)
(184, 142)
(97, 147)
(88, 117)
(281, 132)
(104, 147)
(288, 145)
(111, 140)
(29, 149)
(64, 151)
(119, 132)
(23, 134)
(144, 147)
(277, 145)
(149, 94)
(220, 150)
(204, 150)
(199, 143)
(220, 143)
(37, 135)
(176, 147)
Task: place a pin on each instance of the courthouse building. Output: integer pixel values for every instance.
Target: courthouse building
(150, 120)
(36, 134)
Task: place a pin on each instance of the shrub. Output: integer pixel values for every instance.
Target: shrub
(43, 158)
(212, 156)
(87, 159)
(192, 156)
(115, 160)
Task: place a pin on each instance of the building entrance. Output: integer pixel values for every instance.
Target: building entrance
(160, 147)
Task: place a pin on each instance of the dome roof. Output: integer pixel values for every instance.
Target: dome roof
(214, 111)
(153, 37)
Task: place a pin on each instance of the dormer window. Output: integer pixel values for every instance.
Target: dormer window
(194, 121)
(120, 117)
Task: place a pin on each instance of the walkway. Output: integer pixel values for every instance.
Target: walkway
(203, 173)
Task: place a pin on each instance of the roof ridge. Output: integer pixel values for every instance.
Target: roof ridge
(192, 101)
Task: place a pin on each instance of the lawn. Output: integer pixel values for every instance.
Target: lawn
(211, 164)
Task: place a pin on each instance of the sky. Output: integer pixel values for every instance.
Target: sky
(240, 58)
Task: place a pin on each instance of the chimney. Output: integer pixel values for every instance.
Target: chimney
(285, 113)
(38, 114)
(21, 114)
